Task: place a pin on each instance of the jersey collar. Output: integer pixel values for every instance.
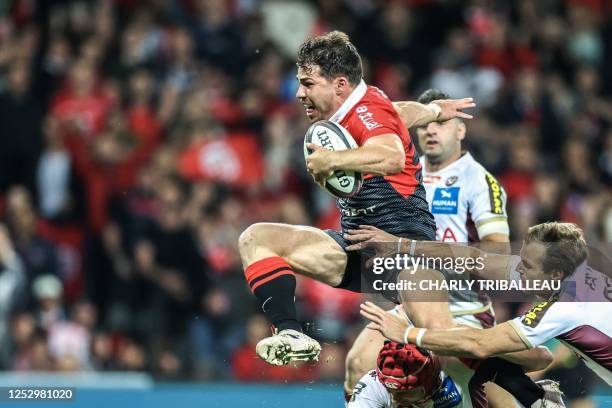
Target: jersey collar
(465, 157)
(350, 102)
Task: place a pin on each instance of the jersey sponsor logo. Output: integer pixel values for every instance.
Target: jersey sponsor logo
(533, 317)
(354, 212)
(366, 118)
(495, 195)
(348, 211)
(447, 395)
(447, 235)
(445, 200)
(324, 139)
(451, 180)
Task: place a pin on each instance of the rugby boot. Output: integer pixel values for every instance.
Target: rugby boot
(286, 346)
(553, 397)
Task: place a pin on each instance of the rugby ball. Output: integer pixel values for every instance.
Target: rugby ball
(332, 136)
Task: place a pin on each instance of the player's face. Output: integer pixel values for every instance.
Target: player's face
(316, 93)
(531, 266)
(441, 140)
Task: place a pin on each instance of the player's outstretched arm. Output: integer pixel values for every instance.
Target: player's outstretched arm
(417, 114)
(465, 342)
(494, 266)
(535, 359)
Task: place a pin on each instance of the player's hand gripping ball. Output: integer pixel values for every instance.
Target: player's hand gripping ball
(333, 137)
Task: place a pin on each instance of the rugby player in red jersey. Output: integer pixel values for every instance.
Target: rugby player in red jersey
(392, 197)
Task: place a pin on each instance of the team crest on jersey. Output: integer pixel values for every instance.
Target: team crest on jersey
(533, 317)
(445, 200)
(451, 180)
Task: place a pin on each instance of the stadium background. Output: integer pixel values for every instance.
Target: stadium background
(139, 138)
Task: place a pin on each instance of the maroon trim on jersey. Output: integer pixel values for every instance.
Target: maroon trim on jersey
(486, 319)
(478, 395)
(470, 226)
(593, 343)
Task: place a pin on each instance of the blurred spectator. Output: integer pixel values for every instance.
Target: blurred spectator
(21, 113)
(47, 290)
(37, 253)
(131, 357)
(12, 285)
(102, 353)
(83, 104)
(54, 174)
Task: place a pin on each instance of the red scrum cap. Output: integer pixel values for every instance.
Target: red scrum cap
(405, 367)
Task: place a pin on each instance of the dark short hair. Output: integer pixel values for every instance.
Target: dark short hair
(334, 54)
(431, 95)
(565, 246)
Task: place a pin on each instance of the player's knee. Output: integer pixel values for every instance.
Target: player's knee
(250, 239)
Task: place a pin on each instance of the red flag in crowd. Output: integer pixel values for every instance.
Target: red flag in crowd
(235, 160)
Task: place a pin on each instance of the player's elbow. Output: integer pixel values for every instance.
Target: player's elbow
(394, 163)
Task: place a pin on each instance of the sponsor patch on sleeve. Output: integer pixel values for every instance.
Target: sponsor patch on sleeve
(448, 395)
(445, 200)
(495, 194)
(533, 317)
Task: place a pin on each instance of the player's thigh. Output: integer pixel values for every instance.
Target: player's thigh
(308, 250)
(424, 305)
(362, 356)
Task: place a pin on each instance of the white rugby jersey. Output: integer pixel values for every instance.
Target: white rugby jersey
(579, 316)
(466, 200)
(370, 393)
(468, 203)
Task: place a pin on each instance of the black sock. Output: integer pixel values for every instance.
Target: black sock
(510, 377)
(273, 283)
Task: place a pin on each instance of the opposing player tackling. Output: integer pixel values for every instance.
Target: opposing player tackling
(578, 315)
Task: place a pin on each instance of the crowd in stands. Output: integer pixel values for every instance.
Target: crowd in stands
(138, 138)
